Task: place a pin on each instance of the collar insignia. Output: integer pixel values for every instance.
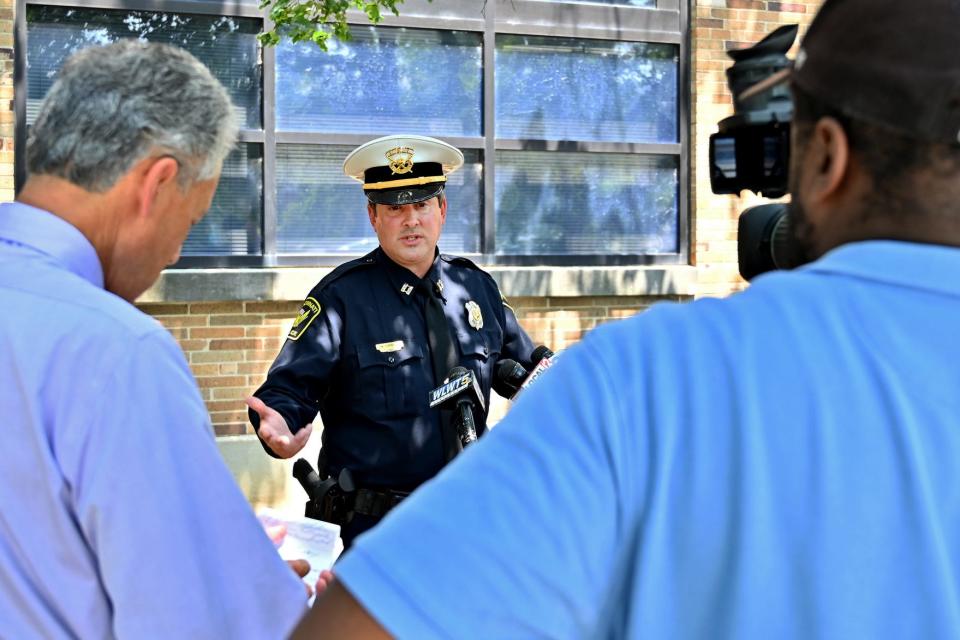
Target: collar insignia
(474, 316)
(406, 288)
(400, 159)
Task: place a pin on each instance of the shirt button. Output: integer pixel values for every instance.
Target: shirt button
(486, 351)
(391, 359)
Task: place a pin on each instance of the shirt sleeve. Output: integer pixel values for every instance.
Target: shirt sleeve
(179, 551)
(299, 378)
(519, 537)
(517, 345)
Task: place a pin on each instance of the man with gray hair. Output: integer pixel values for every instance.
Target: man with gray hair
(118, 517)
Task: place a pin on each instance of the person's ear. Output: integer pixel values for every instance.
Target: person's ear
(157, 177)
(372, 214)
(443, 211)
(826, 165)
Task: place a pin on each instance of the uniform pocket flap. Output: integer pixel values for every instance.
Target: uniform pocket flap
(370, 356)
(480, 343)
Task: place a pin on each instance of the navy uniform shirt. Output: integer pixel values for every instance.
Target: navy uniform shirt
(358, 353)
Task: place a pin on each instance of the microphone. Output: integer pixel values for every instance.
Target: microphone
(461, 393)
(539, 354)
(507, 377)
(542, 358)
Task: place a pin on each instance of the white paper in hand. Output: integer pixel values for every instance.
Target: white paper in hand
(315, 541)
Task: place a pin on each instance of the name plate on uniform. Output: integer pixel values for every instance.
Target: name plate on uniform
(390, 347)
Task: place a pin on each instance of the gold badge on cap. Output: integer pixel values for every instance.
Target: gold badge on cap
(308, 312)
(474, 317)
(400, 159)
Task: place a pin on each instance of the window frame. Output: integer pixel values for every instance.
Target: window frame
(668, 23)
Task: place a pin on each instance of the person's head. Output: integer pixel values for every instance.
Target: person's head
(142, 130)
(404, 178)
(875, 148)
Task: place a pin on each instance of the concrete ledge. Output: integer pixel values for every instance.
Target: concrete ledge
(266, 481)
(293, 283)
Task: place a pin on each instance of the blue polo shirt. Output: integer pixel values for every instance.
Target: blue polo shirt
(118, 517)
(782, 463)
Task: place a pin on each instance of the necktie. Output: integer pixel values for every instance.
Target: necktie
(443, 355)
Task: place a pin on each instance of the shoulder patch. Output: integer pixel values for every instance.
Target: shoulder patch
(308, 312)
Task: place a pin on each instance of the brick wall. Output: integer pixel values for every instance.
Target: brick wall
(230, 345)
(716, 26)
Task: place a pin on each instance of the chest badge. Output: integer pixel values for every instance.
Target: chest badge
(474, 316)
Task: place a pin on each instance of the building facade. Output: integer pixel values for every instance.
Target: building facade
(585, 189)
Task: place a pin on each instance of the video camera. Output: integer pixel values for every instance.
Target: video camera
(751, 151)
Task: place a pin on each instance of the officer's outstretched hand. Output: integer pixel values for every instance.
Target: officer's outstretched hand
(274, 430)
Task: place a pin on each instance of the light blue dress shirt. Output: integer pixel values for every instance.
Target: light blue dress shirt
(118, 517)
(781, 464)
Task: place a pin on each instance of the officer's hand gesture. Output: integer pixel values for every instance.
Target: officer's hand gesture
(274, 430)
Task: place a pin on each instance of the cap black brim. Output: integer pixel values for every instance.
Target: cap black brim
(407, 195)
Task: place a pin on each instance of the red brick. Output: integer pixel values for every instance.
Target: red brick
(258, 369)
(217, 332)
(235, 343)
(232, 429)
(745, 4)
(205, 369)
(221, 381)
(235, 320)
(287, 307)
(208, 308)
(272, 331)
(163, 309)
(193, 345)
(225, 405)
(182, 321)
(217, 356)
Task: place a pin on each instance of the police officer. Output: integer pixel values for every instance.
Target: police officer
(379, 332)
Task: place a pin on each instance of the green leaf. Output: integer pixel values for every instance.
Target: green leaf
(317, 20)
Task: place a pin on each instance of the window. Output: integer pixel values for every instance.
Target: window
(571, 117)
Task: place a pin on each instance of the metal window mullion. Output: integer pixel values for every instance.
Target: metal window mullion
(20, 94)
(356, 139)
(684, 103)
(592, 21)
(203, 7)
(254, 136)
(590, 146)
(488, 220)
(270, 215)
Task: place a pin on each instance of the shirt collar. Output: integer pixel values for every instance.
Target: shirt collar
(53, 236)
(401, 278)
(908, 264)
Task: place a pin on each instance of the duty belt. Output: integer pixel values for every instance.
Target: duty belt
(377, 502)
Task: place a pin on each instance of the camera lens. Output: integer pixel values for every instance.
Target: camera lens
(763, 240)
